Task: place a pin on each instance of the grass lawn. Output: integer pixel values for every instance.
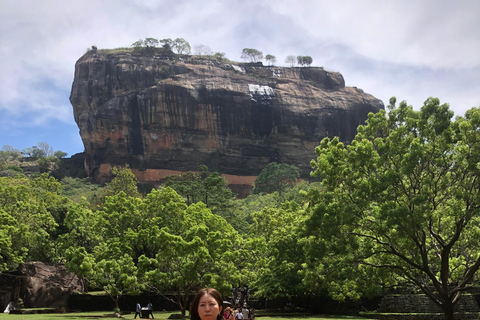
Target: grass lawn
(158, 315)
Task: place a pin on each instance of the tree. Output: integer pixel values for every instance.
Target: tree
(11, 255)
(275, 242)
(76, 188)
(276, 177)
(211, 189)
(403, 199)
(124, 180)
(116, 276)
(167, 43)
(35, 209)
(208, 187)
(220, 56)
(251, 55)
(290, 60)
(138, 44)
(304, 60)
(80, 262)
(82, 228)
(181, 46)
(202, 50)
(270, 59)
(9, 157)
(150, 42)
(47, 158)
(203, 255)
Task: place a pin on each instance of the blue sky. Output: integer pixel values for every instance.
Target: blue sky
(408, 49)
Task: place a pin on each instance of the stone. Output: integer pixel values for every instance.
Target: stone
(48, 285)
(163, 116)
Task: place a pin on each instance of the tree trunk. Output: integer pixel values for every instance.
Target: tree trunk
(448, 310)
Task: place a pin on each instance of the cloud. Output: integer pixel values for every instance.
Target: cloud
(410, 50)
(430, 33)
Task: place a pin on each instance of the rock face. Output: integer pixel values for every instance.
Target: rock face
(48, 285)
(162, 116)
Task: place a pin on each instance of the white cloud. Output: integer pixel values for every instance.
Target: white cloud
(427, 32)
(412, 50)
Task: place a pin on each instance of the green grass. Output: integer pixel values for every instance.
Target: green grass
(116, 51)
(158, 315)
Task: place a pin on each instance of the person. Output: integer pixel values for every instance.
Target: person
(239, 315)
(245, 311)
(137, 310)
(150, 310)
(228, 314)
(207, 305)
(251, 316)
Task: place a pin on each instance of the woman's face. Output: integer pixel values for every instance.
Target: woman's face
(208, 308)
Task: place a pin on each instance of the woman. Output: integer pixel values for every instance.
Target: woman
(228, 315)
(207, 305)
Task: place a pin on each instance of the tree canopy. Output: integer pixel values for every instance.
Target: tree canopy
(304, 60)
(276, 177)
(271, 59)
(251, 55)
(399, 206)
(403, 200)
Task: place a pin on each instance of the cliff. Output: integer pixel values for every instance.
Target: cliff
(163, 116)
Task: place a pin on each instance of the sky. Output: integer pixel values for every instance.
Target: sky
(412, 50)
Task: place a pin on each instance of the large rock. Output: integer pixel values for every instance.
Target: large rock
(163, 117)
(48, 285)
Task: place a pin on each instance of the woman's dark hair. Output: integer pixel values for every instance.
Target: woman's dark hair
(196, 301)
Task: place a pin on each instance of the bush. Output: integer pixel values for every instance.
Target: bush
(15, 168)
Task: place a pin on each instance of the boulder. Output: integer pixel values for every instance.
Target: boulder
(48, 285)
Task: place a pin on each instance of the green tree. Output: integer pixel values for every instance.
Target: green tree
(47, 158)
(124, 180)
(205, 186)
(276, 177)
(167, 43)
(203, 255)
(80, 262)
(120, 216)
(82, 228)
(76, 188)
(11, 254)
(278, 261)
(116, 276)
(9, 153)
(181, 46)
(220, 56)
(403, 199)
(151, 42)
(138, 44)
(162, 208)
(304, 60)
(256, 202)
(38, 209)
(251, 55)
(270, 59)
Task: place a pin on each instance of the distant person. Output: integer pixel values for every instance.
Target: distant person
(138, 309)
(239, 316)
(228, 314)
(150, 310)
(251, 315)
(207, 305)
(245, 311)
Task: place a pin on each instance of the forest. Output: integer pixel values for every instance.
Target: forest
(398, 206)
